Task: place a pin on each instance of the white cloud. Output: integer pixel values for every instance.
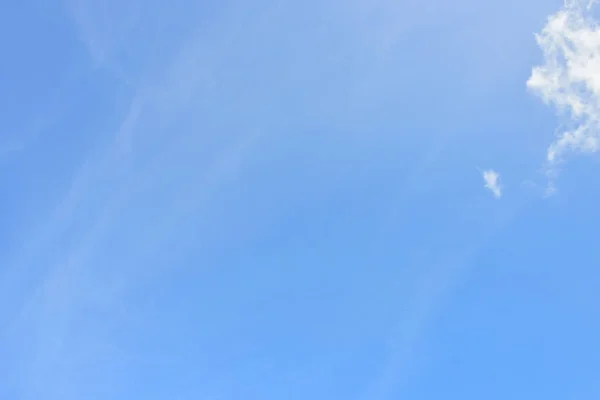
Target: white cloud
(569, 78)
(492, 182)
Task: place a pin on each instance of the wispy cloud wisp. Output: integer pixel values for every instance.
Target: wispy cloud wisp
(492, 182)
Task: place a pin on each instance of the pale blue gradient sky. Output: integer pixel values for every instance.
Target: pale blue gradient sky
(284, 200)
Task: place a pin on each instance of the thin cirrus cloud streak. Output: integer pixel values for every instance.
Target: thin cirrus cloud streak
(113, 179)
(569, 79)
(163, 147)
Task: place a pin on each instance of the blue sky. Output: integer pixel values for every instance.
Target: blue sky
(299, 200)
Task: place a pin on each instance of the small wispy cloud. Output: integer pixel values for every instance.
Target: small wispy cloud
(569, 79)
(492, 182)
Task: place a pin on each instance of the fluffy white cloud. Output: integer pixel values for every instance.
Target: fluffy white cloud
(569, 78)
(492, 182)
